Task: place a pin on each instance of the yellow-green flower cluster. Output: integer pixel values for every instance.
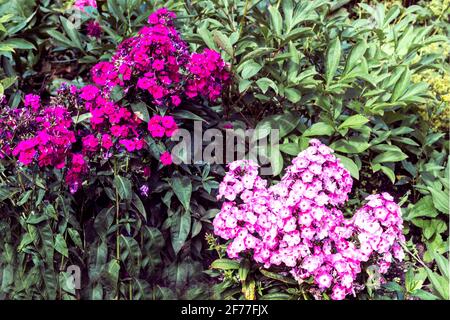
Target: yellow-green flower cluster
(438, 114)
(438, 7)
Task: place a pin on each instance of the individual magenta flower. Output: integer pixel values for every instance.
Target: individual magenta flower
(33, 101)
(160, 126)
(81, 4)
(90, 143)
(89, 92)
(93, 29)
(76, 170)
(166, 158)
(144, 190)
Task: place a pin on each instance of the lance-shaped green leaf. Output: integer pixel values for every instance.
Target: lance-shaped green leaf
(225, 264)
(332, 59)
(179, 229)
(123, 186)
(182, 187)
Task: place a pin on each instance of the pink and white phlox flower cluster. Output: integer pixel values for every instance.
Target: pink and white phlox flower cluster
(297, 223)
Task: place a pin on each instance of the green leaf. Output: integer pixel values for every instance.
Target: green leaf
(319, 129)
(390, 156)
(353, 145)
(333, 56)
(424, 295)
(72, 32)
(440, 199)
(61, 246)
(185, 114)
(244, 269)
(278, 277)
(24, 198)
(60, 38)
(223, 42)
(292, 94)
(442, 263)
(36, 218)
(17, 43)
(355, 56)
(123, 186)
(356, 121)
(276, 161)
(250, 69)
(285, 123)
(388, 171)
(423, 208)
(112, 272)
(130, 255)
(440, 283)
(117, 93)
(137, 202)
(75, 236)
(265, 83)
(180, 228)
(276, 20)
(401, 85)
(141, 111)
(225, 264)
(350, 165)
(182, 187)
(81, 117)
(292, 149)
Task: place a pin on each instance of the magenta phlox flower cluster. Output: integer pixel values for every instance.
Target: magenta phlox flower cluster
(207, 75)
(17, 123)
(51, 142)
(297, 223)
(111, 124)
(157, 61)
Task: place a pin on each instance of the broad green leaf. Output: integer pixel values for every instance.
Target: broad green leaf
(72, 32)
(350, 146)
(333, 56)
(61, 246)
(388, 171)
(355, 121)
(440, 284)
(251, 68)
(292, 94)
(440, 200)
(390, 156)
(276, 161)
(401, 85)
(278, 277)
(141, 111)
(123, 186)
(423, 208)
(350, 165)
(223, 42)
(265, 83)
(355, 56)
(285, 123)
(17, 43)
(319, 129)
(292, 149)
(276, 20)
(182, 187)
(180, 228)
(225, 264)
